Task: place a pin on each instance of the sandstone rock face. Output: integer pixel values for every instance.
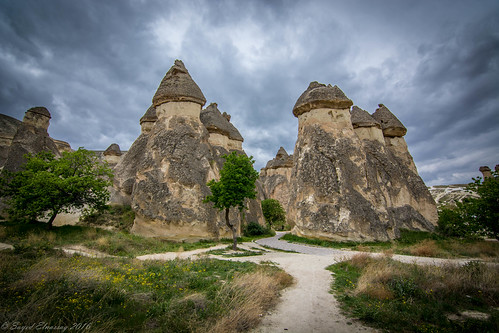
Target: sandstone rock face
(164, 173)
(8, 129)
(31, 138)
(276, 178)
(347, 182)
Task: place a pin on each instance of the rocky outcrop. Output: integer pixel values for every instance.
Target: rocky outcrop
(276, 178)
(352, 176)
(112, 155)
(31, 138)
(8, 129)
(221, 131)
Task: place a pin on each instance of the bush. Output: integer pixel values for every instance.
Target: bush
(255, 229)
(274, 214)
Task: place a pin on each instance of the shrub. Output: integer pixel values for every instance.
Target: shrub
(274, 214)
(255, 229)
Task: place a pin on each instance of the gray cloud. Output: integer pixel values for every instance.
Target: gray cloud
(96, 65)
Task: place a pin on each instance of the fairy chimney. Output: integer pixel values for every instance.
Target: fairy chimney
(365, 126)
(148, 119)
(222, 132)
(486, 172)
(178, 95)
(112, 154)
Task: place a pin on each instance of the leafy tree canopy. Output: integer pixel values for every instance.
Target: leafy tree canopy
(47, 186)
(236, 184)
(474, 216)
(274, 213)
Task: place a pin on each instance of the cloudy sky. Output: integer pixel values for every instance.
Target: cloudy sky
(97, 64)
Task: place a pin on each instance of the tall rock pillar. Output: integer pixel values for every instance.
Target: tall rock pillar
(331, 197)
(171, 177)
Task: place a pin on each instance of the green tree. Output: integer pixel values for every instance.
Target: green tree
(274, 213)
(47, 186)
(485, 208)
(475, 216)
(236, 184)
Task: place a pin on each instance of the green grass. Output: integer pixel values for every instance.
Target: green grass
(228, 253)
(127, 295)
(418, 243)
(118, 243)
(398, 297)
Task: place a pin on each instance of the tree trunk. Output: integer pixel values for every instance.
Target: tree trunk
(52, 218)
(232, 228)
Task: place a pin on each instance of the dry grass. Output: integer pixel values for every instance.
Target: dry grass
(360, 260)
(426, 248)
(376, 276)
(40, 237)
(249, 296)
(102, 242)
(470, 278)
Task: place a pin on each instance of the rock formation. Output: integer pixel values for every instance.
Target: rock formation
(486, 172)
(112, 155)
(222, 132)
(164, 173)
(276, 177)
(8, 129)
(31, 137)
(352, 176)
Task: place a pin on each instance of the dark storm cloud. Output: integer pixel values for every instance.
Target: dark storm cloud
(96, 65)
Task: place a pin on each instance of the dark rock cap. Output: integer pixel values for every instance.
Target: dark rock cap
(40, 110)
(361, 118)
(390, 124)
(178, 86)
(281, 153)
(319, 95)
(113, 150)
(484, 169)
(150, 115)
(281, 160)
(215, 122)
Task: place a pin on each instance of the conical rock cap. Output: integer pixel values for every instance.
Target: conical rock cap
(215, 122)
(318, 96)
(178, 86)
(150, 115)
(362, 118)
(390, 124)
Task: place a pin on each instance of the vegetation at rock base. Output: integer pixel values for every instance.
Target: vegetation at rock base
(274, 214)
(416, 243)
(117, 217)
(236, 184)
(126, 295)
(255, 229)
(475, 216)
(47, 185)
(401, 297)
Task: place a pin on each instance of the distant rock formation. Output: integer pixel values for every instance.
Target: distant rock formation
(352, 177)
(276, 177)
(31, 137)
